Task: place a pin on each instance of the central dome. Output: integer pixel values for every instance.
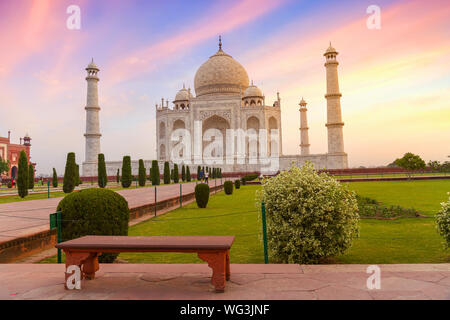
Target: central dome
(220, 75)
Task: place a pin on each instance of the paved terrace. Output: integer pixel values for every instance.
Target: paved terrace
(192, 281)
(23, 218)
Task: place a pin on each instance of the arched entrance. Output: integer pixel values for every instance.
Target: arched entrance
(14, 172)
(215, 128)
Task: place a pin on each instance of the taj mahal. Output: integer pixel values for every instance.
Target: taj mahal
(226, 124)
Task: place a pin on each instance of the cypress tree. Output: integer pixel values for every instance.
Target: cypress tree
(126, 172)
(155, 173)
(166, 173)
(30, 176)
(142, 173)
(188, 174)
(198, 172)
(171, 174)
(55, 178)
(183, 173)
(102, 178)
(22, 178)
(176, 177)
(118, 176)
(69, 173)
(77, 175)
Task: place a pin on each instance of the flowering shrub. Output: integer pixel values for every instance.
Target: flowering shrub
(443, 222)
(310, 216)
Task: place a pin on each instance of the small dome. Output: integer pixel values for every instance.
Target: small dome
(252, 91)
(220, 75)
(330, 50)
(302, 102)
(92, 65)
(183, 95)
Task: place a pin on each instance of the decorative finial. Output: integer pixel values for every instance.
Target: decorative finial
(92, 60)
(220, 42)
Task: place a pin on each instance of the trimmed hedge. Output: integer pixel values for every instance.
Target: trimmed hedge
(22, 177)
(202, 195)
(183, 173)
(55, 178)
(30, 176)
(237, 184)
(126, 172)
(228, 187)
(94, 211)
(176, 177)
(102, 178)
(70, 173)
(188, 174)
(118, 176)
(142, 173)
(155, 173)
(166, 173)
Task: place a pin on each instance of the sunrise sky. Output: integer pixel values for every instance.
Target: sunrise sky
(395, 81)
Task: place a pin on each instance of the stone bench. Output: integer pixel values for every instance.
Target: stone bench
(83, 252)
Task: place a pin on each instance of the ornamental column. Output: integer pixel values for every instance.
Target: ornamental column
(92, 134)
(333, 96)
(304, 137)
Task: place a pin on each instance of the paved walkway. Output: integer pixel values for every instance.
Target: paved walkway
(192, 281)
(18, 219)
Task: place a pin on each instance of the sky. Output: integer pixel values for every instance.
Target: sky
(395, 80)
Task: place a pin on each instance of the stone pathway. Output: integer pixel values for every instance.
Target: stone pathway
(192, 281)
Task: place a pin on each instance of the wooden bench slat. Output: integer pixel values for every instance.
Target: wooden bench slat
(154, 242)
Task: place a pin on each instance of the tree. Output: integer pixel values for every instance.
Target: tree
(410, 162)
(198, 172)
(77, 175)
(188, 174)
(176, 177)
(183, 173)
(4, 166)
(434, 165)
(166, 173)
(70, 173)
(142, 173)
(30, 176)
(118, 176)
(126, 172)
(22, 178)
(102, 178)
(55, 179)
(155, 173)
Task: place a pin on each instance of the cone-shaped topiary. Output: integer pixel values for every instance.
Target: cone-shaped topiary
(94, 211)
(142, 173)
(176, 177)
(166, 173)
(126, 172)
(155, 173)
(228, 187)
(55, 179)
(118, 176)
(70, 173)
(30, 176)
(183, 173)
(22, 178)
(77, 175)
(188, 174)
(102, 179)
(237, 184)
(198, 172)
(202, 195)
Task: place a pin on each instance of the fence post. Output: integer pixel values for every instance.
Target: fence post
(263, 211)
(155, 200)
(181, 195)
(58, 233)
(48, 188)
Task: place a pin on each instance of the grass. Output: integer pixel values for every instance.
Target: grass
(406, 240)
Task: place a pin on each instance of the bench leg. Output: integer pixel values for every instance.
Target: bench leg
(217, 262)
(86, 261)
(90, 266)
(228, 272)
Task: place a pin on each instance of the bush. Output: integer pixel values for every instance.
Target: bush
(237, 184)
(176, 176)
(443, 222)
(228, 187)
(198, 172)
(155, 173)
(202, 195)
(77, 175)
(183, 173)
(310, 216)
(142, 175)
(55, 179)
(94, 211)
(188, 174)
(69, 173)
(118, 176)
(126, 172)
(370, 208)
(166, 173)
(102, 178)
(30, 176)
(249, 177)
(22, 177)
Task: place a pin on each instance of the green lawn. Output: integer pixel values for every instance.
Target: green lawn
(408, 240)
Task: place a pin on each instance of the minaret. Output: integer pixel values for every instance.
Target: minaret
(333, 96)
(92, 122)
(304, 137)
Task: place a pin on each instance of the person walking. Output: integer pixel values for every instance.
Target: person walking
(206, 176)
(201, 175)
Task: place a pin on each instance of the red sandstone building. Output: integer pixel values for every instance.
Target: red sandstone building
(10, 151)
